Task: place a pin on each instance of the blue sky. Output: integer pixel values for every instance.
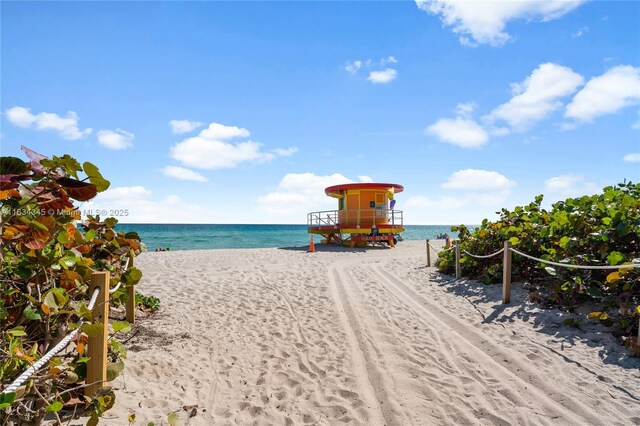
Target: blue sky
(220, 112)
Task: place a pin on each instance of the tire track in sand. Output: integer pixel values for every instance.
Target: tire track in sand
(428, 312)
(368, 375)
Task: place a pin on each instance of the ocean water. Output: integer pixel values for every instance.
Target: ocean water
(195, 237)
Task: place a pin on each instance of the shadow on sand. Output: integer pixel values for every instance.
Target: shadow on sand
(487, 300)
(333, 248)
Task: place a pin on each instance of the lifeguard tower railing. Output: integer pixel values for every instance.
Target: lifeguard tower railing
(356, 218)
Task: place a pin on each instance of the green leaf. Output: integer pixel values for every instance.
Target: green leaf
(62, 237)
(121, 326)
(111, 222)
(113, 370)
(69, 260)
(6, 399)
(564, 241)
(594, 292)
(55, 298)
(173, 419)
(615, 258)
(131, 418)
(90, 235)
(93, 420)
(12, 166)
(132, 276)
(17, 332)
(95, 177)
(514, 241)
(638, 309)
(85, 312)
(93, 330)
(54, 407)
(31, 313)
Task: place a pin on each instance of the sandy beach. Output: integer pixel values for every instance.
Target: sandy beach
(359, 336)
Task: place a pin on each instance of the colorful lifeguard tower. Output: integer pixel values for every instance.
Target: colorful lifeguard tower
(365, 215)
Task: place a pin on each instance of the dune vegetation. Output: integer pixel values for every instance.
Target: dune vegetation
(46, 262)
(597, 230)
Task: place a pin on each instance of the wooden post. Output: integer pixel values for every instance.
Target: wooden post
(97, 346)
(506, 273)
(131, 299)
(638, 341)
(458, 268)
(428, 254)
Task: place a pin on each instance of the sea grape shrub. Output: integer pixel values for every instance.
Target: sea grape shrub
(46, 264)
(602, 229)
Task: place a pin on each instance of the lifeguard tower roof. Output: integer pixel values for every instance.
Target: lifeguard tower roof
(335, 190)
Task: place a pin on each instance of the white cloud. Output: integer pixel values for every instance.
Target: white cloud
(478, 180)
(617, 88)
(353, 67)
(375, 76)
(382, 77)
(466, 109)
(537, 96)
(388, 60)
(300, 193)
(285, 152)
(580, 32)
(636, 125)
(115, 139)
(460, 131)
(125, 192)
(480, 22)
(141, 207)
(477, 194)
(213, 149)
(66, 127)
(183, 174)
(184, 126)
(632, 158)
(569, 185)
(221, 132)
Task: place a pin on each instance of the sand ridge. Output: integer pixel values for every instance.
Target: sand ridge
(358, 336)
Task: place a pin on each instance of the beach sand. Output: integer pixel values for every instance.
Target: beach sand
(358, 336)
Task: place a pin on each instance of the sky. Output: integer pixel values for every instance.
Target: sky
(243, 112)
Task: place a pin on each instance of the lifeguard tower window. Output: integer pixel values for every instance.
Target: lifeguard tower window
(341, 204)
(372, 204)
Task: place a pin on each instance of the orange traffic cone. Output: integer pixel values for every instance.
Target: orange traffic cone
(312, 246)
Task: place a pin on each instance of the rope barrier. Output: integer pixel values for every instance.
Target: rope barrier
(437, 250)
(477, 256)
(57, 348)
(566, 265)
(126, 266)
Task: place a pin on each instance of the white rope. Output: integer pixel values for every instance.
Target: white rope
(484, 257)
(437, 250)
(57, 348)
(566, 265)
(434, 248)
(126, 266)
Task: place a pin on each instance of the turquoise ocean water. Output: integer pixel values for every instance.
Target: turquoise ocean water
(194, 237)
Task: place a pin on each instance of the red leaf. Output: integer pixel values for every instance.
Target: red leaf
(35, 159)
(78, 190)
